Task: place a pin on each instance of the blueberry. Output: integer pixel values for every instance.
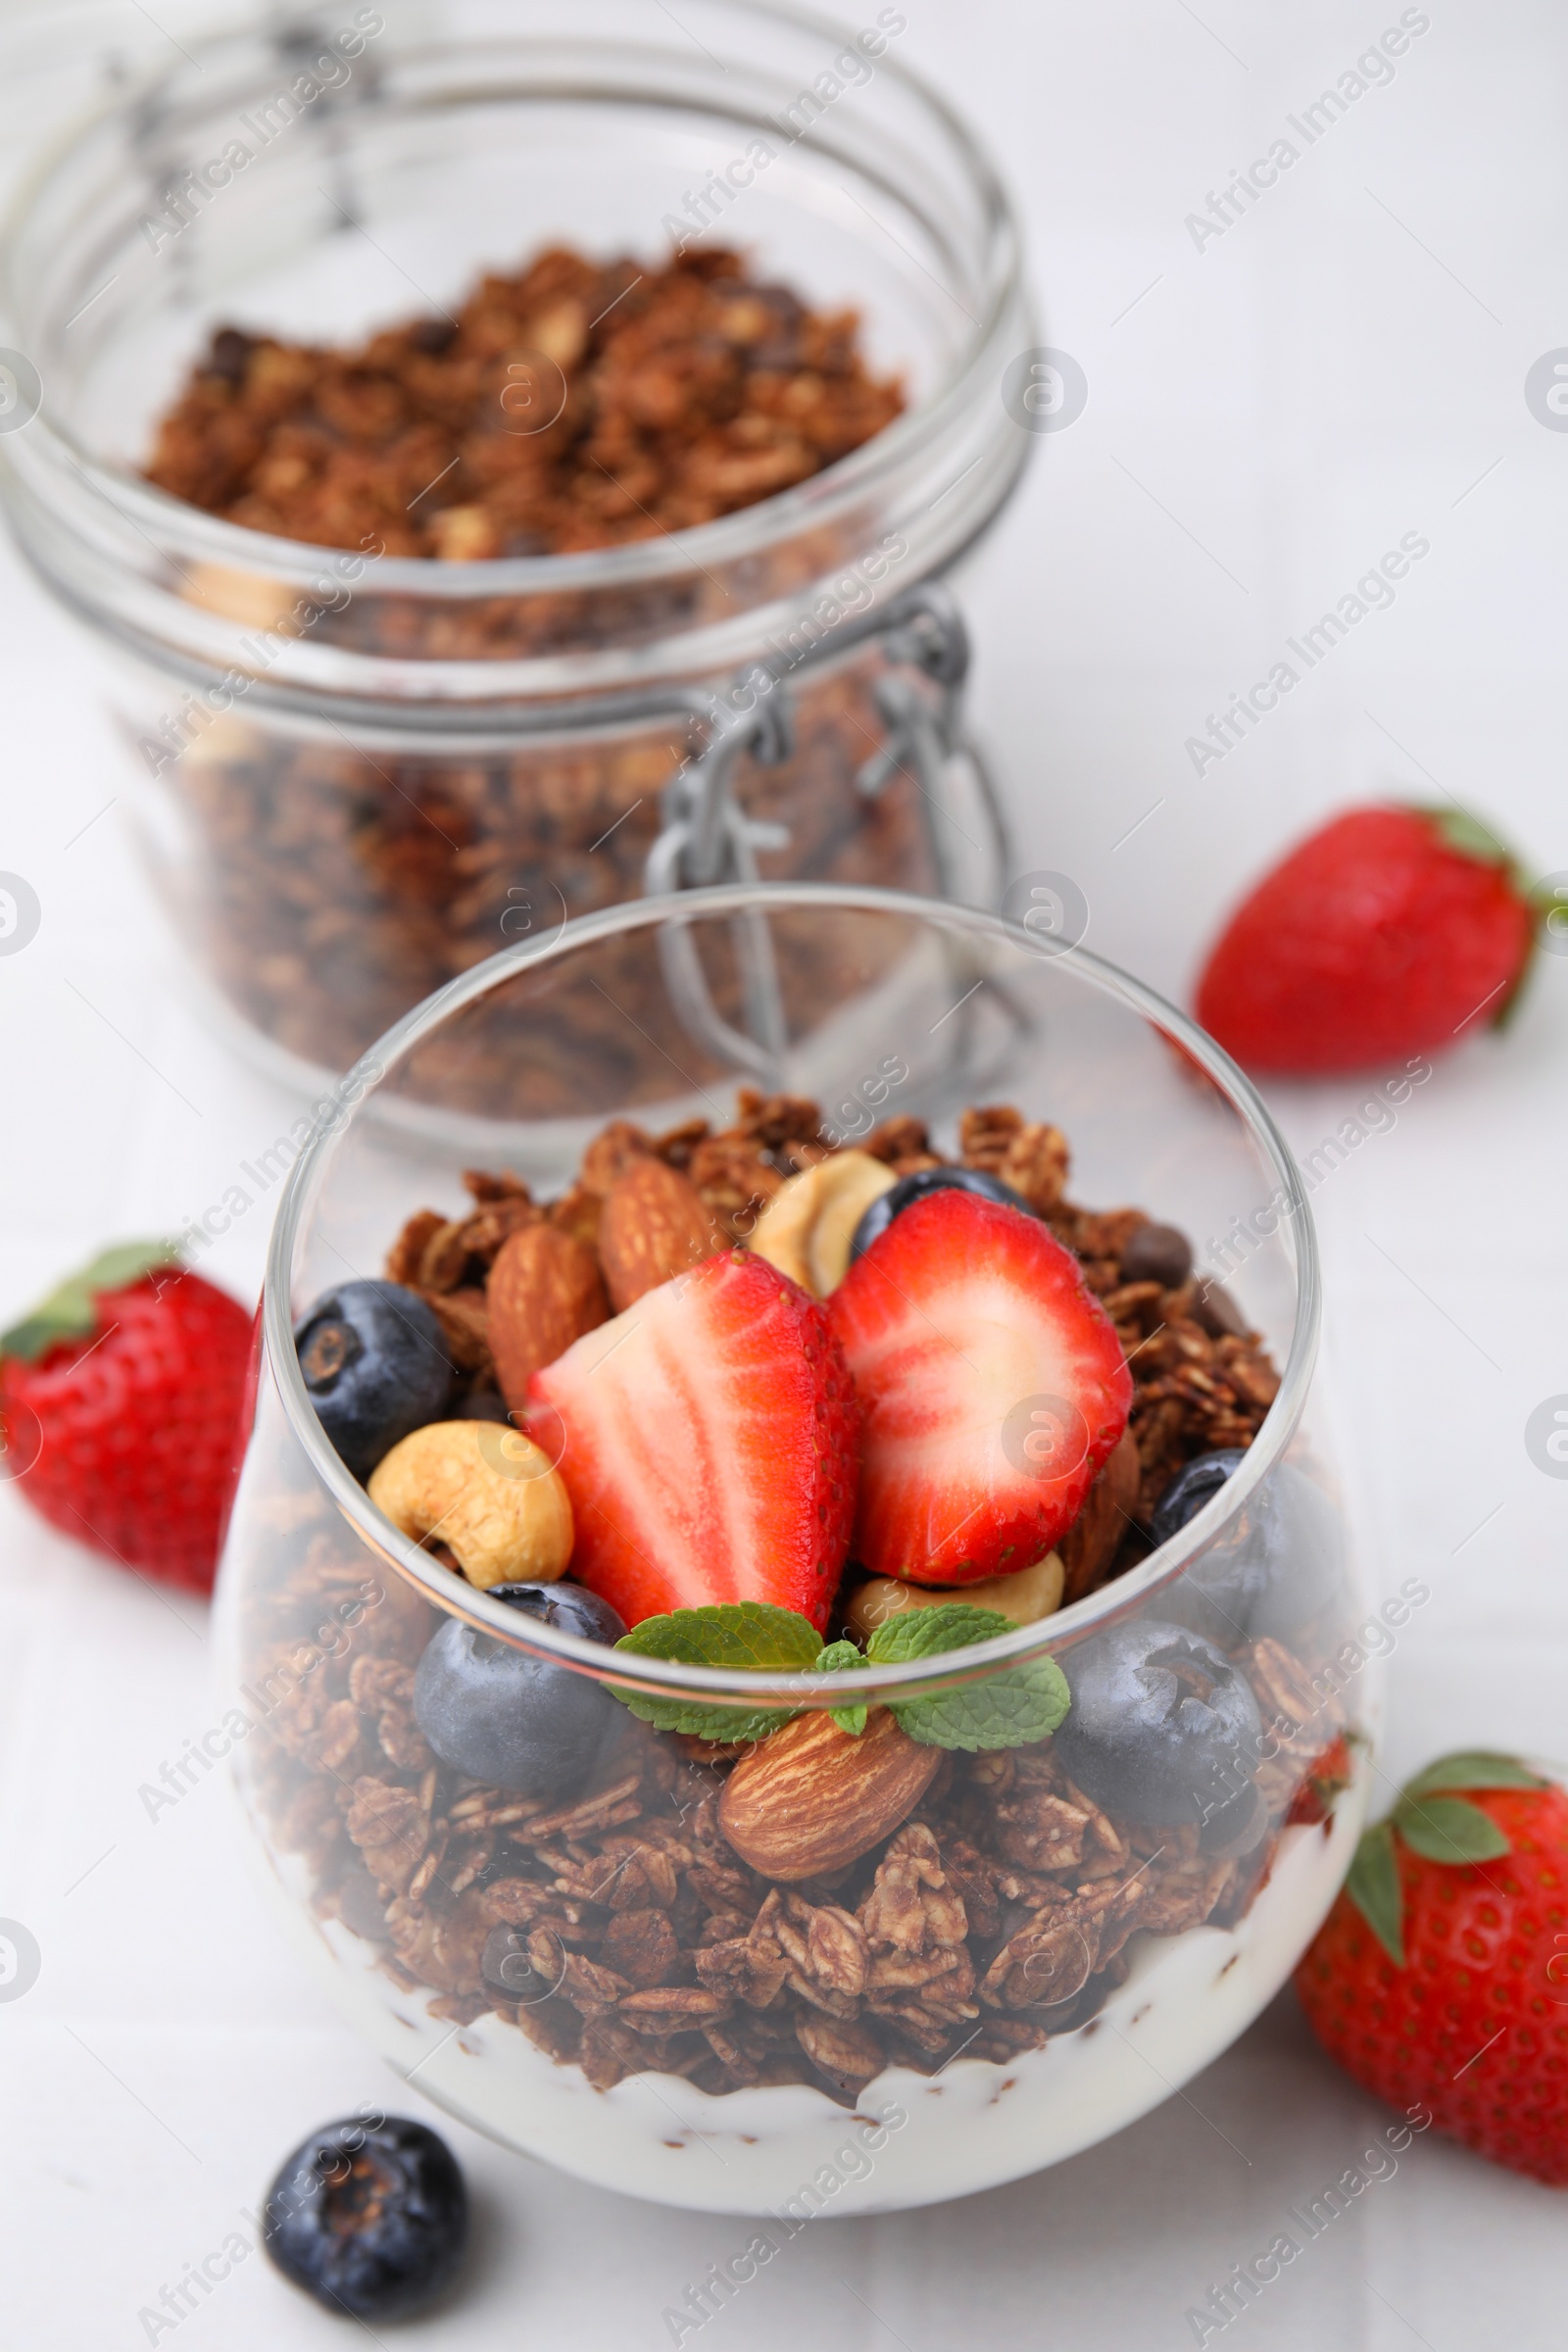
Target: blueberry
(1162, 1725)
(375, 1365)
(1276, 1566)
(504, 1716)
(369, 2217)
(1190, 1488)
(909, 1189)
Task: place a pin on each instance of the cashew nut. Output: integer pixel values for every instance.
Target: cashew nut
(487, 1492)
(806, 1228)
(1025, 1597)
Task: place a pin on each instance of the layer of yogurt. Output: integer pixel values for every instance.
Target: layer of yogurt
(912, 2139)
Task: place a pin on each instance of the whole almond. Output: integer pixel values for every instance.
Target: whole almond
(612, 1153)
(544, 1292)
(652, 1227)
(811, 1798)
(1090, 1545)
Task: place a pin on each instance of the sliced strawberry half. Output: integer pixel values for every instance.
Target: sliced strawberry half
(708, 1438)
(992, 1385)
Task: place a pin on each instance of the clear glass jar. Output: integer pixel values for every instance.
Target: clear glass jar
(1076, 1953)
(358, 775)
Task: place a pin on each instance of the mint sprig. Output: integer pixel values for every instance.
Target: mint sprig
(1013, 1707)
(748, 1637)
(842, 1657)
(70, 1311)
(1437, 1824)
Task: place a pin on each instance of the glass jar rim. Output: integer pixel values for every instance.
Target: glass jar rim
(657, 1677)
(192, 532)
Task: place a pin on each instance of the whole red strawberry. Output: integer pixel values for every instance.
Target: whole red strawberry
(1441, 1974)
(122, 1400)
(1386, 934)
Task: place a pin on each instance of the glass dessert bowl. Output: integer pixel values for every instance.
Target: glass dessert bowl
(992, 1729)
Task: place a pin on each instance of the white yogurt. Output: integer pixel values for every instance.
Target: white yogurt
(914, 2140)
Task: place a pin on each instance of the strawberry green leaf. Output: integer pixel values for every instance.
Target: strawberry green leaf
(1373, 1886)
(70, 1311)
(1013, 1707)
(1448, 1829)
(1468, 836)
(842, 1657)
(749, 1635)
(1472, 1768)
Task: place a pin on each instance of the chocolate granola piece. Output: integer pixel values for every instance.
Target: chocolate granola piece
(848, 2055)
(384, 1688)
(405, 1260)
(1044, 1964)
(904, 1143)
(1032, 1159)
(391, 1825)
(743, 1969)
(641, 1947)
(913, 1907)
(735, 1178)
(673, 2009)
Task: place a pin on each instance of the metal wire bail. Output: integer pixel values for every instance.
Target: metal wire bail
(707, 837)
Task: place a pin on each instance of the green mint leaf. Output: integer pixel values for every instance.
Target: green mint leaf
(925, 1633)
(749, 1635)
(1373, 1886)
(843, 1657)
(1014, 1707)
(1448, 1829)
(1472, 1768)
(727, 1726)
(1017, 1706)
(69, 1312)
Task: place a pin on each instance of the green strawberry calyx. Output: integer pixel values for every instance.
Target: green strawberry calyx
(1470, 836)
(70, 1311)
(1433, 1821)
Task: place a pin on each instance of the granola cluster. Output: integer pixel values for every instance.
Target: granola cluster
(684, 392)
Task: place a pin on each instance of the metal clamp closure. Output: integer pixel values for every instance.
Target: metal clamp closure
(707, 837)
